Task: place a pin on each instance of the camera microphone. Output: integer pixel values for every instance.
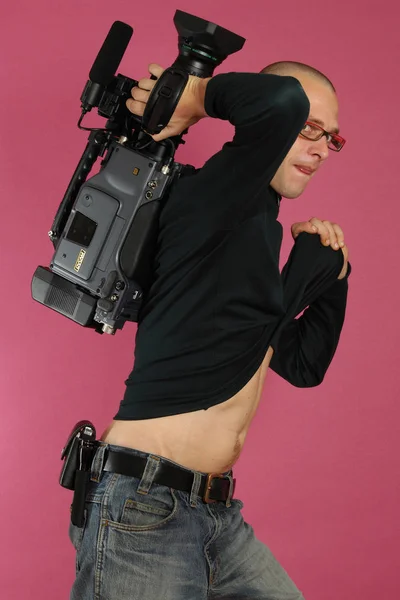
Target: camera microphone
(111, 53)
(106, 63)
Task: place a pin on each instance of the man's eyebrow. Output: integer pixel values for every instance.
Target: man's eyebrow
(319, 122)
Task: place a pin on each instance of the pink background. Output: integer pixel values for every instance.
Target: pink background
(319, 474)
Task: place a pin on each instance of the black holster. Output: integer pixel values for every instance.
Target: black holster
(77, 455)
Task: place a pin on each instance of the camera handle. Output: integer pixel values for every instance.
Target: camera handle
(95, 147)
(163, 99)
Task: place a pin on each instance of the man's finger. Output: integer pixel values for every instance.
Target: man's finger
(339, 234)
(137, 108)
(140, 95)
(332, 235)
(146, 84)
(322, 230)
(164, 134)
(343, 272)
(298, 228)
(156, 69)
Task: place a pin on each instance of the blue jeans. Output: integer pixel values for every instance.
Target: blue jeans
(144, 541)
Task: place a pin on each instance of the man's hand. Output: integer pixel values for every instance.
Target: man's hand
(189, 110)
(331, 234)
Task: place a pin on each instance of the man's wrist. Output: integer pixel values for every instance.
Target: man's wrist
(201, 87)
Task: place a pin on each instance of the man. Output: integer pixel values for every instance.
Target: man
(162, 521)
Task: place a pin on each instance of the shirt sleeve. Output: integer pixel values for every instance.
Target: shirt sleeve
(267, 112)
(305, 346)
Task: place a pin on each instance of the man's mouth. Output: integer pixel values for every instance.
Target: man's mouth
(305, 170)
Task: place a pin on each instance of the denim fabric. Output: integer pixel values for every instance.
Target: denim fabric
(144, 541)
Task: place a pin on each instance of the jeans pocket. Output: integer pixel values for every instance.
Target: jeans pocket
(145, 512)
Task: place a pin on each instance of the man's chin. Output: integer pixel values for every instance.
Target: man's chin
(288, 191)
(292, 194)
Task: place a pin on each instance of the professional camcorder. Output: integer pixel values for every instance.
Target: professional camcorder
(105, 230)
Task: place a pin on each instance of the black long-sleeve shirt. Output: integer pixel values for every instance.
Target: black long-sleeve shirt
(218, 300)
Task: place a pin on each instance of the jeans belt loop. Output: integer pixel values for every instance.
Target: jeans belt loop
(231, 491)
(98, 462)
(194, 493)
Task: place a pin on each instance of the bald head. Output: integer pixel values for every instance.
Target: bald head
(306, 155)
(291, 68)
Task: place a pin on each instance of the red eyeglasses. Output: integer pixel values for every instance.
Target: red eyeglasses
(314, 132)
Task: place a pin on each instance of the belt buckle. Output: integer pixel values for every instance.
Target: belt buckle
(210, 477)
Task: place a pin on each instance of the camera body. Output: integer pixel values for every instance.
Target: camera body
(105, 230)
(109, 240)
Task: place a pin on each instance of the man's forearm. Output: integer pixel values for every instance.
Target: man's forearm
(304, 347)
(256, 104)
(308, 344)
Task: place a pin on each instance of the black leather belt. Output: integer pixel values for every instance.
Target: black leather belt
(214, 487)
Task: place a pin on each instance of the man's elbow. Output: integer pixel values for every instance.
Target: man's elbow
(306, 378)
(309, 382)
(292, 101)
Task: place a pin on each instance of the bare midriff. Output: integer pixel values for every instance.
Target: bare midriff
(209, 440)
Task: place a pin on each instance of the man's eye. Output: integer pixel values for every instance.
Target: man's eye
(307, 128)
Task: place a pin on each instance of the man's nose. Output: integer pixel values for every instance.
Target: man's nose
(320, 147)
